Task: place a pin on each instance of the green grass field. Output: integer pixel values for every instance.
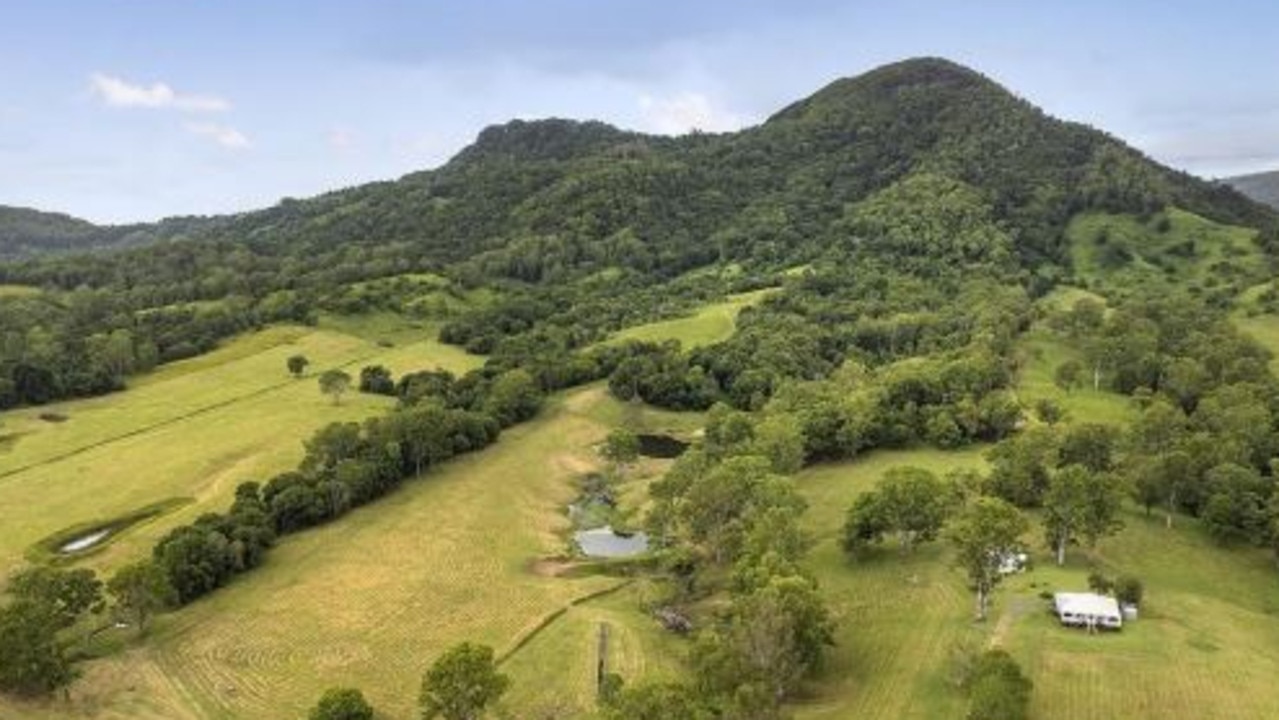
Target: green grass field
(1116, 253)
(1040, 352)
(18, 290)
(368, 600)
(710, 324)
(1207, 645)
(460, 554)
(194, 429)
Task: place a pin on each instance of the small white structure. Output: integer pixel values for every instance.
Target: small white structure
(1012, 562)
(1088, 610)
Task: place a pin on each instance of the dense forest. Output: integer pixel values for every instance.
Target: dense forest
(905, 222)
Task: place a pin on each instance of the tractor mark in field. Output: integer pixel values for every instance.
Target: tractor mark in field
(528, 637)
(167, 422)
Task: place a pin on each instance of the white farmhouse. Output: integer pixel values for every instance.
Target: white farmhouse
(1088, 610)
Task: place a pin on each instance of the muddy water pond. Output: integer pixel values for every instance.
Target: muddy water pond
(84, 542)
(604, 542)
(660, 446)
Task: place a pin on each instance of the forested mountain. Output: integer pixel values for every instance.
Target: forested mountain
(1262, 187)
(541, 208)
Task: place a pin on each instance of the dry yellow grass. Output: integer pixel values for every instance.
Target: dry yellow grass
(194, 429)
(371, 599)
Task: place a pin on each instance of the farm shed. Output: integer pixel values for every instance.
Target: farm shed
(1087, 610)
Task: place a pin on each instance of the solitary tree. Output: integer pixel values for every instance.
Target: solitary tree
(342, 704)
(335, 383)
(909, 501)
(297, 365)
(621, 448)
(984, 534)
(1064, 508)
(1049, 411)
(462, 683)
(1068, 374)
(141, 590)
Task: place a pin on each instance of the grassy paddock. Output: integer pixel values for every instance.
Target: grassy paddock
(1205, 646)
(708, 325)
(49, 549)
(373, 598)
(196, 429)
(1039, 353)
(1117, 253)
(9, 291)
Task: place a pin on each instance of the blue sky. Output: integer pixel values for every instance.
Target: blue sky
(134, 110)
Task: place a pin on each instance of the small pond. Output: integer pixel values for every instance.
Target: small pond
(603, 542)
(84, 542)
(660, 446)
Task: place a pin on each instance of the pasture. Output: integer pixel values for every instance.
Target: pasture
(708, 325)
(1205, 646)
(1116, 254)
(18, 291)
(371, 599)
(193, 429)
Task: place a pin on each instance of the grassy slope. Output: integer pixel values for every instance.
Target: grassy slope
(371, 599)
(1205, 647)
(1221, 255)
(897, 616)
(709, 325)
(195, 428)
(18, 291)
(1040, 353)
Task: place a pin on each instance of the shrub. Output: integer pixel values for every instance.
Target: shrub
(342, 704)
(999, 691)
(1129, 590)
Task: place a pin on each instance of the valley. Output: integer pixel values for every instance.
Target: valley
(907, 352)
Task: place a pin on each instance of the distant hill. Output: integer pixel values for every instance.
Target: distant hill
(1262, 187)
(24, 231)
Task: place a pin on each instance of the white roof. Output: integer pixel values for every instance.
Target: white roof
(1086, 604)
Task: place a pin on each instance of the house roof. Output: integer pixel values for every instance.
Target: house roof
(1086, 604)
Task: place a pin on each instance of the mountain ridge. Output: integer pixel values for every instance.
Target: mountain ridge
(590, 180)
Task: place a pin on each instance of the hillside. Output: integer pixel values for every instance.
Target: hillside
(24, 232)
(27, 233)
(1262, 187)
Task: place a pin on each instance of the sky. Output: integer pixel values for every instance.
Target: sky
(135, 110)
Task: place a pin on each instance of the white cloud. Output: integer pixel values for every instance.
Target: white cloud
(687, 111)
(118, 92)
(341, 138)
(224, 135)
